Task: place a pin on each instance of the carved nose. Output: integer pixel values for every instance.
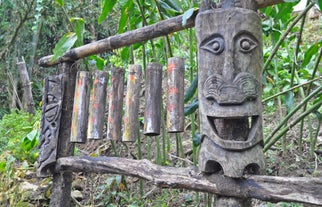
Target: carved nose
(228, 69)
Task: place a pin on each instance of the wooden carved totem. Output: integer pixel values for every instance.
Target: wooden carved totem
(52, 102)
(230, 65)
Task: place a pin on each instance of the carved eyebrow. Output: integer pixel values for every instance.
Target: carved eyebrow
(247, 33)
(209, 38)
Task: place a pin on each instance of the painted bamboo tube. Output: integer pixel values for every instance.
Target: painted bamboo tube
(175, 95)
(114, 120)
(97, 105)
(131, 115)
(80, 108)
(153, 99)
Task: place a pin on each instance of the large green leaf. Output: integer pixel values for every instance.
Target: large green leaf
(79, 29)
(127, 9)
(63, 45)
(310, 53)
(107, 8)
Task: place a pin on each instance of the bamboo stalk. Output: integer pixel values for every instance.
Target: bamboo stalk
(114, 120)
(153, 100)
(80, 109)
(97, 105)
(131, 115)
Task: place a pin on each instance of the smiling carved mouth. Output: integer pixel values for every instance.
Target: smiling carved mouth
(240, 129)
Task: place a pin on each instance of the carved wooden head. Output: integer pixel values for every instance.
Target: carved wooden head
(230, 66)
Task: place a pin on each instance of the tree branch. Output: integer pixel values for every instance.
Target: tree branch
(266, 188)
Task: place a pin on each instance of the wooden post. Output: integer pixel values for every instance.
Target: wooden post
(114, 120)
(230, 64)
(62, 181)
(175, 95)
(153, 99)
(97, 105)
(28, 100)
(131, 115)
(80, 109)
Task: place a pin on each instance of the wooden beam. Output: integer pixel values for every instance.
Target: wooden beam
(159, 29)
(266, 188)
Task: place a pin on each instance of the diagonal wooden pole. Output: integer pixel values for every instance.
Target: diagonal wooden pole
(159, 29)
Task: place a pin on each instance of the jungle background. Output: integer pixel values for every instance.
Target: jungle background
(31, 29)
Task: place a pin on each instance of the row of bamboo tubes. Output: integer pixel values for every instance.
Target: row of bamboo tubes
(91, 95)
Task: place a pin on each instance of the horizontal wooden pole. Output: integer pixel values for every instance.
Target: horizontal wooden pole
(159, 29)
(266, 188)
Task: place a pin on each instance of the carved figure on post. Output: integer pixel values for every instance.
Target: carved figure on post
(230, 65)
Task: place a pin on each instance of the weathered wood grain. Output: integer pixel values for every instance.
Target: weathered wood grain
(116, 95)
(28, 100)
(132, 104)
(175, 95)
(153, 99)
(266, 188)
(50, 122)
(97, 105)
(80, 109)
(62, 181)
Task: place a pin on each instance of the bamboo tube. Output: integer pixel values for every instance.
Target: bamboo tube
(114, 120)
(153, 99)
(80, 108)
(97, 105)
(131, 123)
(175, 95)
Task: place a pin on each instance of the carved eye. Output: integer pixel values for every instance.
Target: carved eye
(246, 44)
(215, 45)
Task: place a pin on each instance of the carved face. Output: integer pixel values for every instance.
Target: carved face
(230, 67)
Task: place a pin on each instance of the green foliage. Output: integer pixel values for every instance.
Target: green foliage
(20, 135)
(107, 7)
(64, 44)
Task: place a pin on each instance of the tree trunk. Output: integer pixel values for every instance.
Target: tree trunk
(28, 100)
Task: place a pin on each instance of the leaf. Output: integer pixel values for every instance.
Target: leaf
(310, 52)
(191, 108)
(63, 45)
(319, 2)
(125, 54)
(318, 115)
(191, 90)
(99, 62)
(186, 16)
(108, 6)
(127, 9)
(80, 25)
(60, 2)
(196, 140)
(289, 101)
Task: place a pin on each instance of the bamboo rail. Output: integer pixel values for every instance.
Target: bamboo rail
(159, 29)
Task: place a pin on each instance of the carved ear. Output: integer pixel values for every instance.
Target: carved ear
(207, 5)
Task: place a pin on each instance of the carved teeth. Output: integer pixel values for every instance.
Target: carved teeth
(233, 129)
